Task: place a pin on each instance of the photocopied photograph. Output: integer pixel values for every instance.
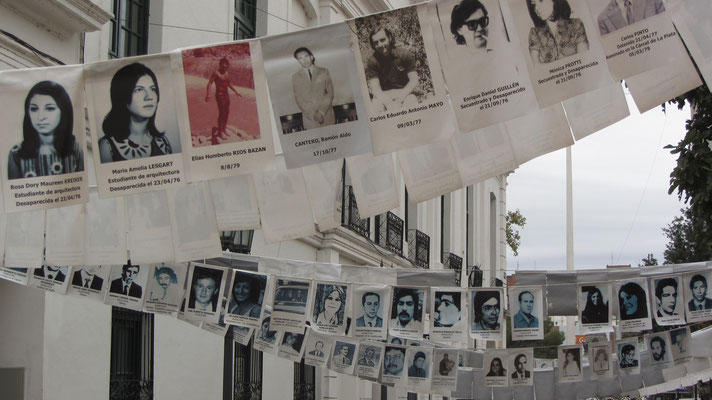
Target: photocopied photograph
(44, 133)
(570, 364)
(658, 345)
(698, 306)
(444, 369)
(393, 372)
(668, 299)
(447, 320)
(289, 309)
(317, 348)
(521, 362)
(343, 356)
(633, 307)
(681, 345)
(267, 339)
(600, 360)
(329, 307)
(206, 285)
(166, 283)
(526, 305)
(246, 298)
(89, 281)
(617, 14)
(369, 358)
(486, 313)
(51, 278)
(594, 307)
(291, 346)
(628, 356)
(407, 309)
(127, 284)
(495, 368)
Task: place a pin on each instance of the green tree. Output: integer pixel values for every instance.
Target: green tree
(690, 238)
(542, 348)
(514, 219)
(648, 261)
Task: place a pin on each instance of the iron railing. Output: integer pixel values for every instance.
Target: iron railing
(350, 217)
(474, 276)
(453, 262)
(390, 232)
(304, 381)
(418, 248)
(130, 390)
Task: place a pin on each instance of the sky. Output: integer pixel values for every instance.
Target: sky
(620, 195)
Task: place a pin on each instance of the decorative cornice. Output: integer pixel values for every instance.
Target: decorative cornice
(23, 56)
(61, 17)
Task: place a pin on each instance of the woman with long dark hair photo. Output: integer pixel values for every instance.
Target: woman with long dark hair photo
(555, 34)
(48, 144)
(596, 309)
(130, 130)
(330, 310)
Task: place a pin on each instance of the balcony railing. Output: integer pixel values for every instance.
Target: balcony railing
(453, 262)
(130, 389)
(419, 248)
(474, 276)
(350, 217)
(390, 232)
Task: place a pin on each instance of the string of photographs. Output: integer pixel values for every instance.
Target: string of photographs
(459, 90)
(403, 334)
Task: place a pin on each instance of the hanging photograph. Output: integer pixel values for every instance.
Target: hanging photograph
(483, 154)
(667, 297)
(633, 309)
(89, 281)
(50, 279)
(317, 348)
(235, 202)
(289, 307)
(369, 359)
(343, 356)
(521, 362)
(329, 307)
(407, 310)
(246, 297)
(224, 106)
(370, 303)
(401, 79)
(526, 305)
(570, 364)
(148, 222)
(419, 360)
(166, 283)
(17, 275)
(495, 362)
(628, 356)
(594, 300)
(560, 47)
(315, 95)
(429, 171)
(24, 246)
(636, 35)
(658, 345)
(393, 372)
(471, 36)
(105, 230)
(486, 313)
(65, 235)
(267, 339)
(134, 125)
(444, 370)
(681, 345)
(193, 222)
(242, 334)
(220, 328)
(373, 180)
(449, 315)
(126, 288)
(698, 302)
(206, 286)
(291, 346)
(44, 138)
(600, 360)
(691, 22)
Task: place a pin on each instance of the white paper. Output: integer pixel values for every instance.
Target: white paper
(266, 339)
(126, 287)
(317, 348)
(592, 111)
(166, 283)
(284, 204)
(242, 334)
(370, 355)
(485, 73)
(290, 304)
(697, 302)
(65, 235)
(564, 57)
(594, 307)
(324, 185)
(429, 171)
(495, 362)
(682, 346)
(628, 356)
(220, 328)
(653, 88)
(105, 230)
(223, 106)
(151, 160)
(16, 275)
(600, 360)
(193, 222)
(206, 287)
(370, 307)
(90, 281)
(666, 294)
(633, 308)
(539, 133)
(150, 239)
(659, 349)
(691, 20)
(374, 183)
(483, 154)
(526, 310)
(445, 369)
(246, 298)
(24, 239)
(407, 312)
(235, 202)
(419, 362)
(318, 106)
(330, 307)
(401, 115)
(521, 363)
(343, 355)
(394, 365)
(50, 279)
(648, 40)
(448, 314)
(570, 366)
(291, 346)
(39, 176)
(486, 313)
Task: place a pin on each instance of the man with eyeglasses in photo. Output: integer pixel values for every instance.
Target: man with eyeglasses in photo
(469, 25)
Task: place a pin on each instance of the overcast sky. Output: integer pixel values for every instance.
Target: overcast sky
(620, 200)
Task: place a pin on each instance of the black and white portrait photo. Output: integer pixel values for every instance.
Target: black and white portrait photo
(570, 366)
(419, 360)
(628, 356)
(599, 358)
(317, 348)
(521, 362)
(328, 314)
(246, 297)
(658, 345)
(127, 284)
(393, 364)
(407, 312)
(633, 305)
(166, 284)
(44, 131)
(495, 368)
(292, 342)
(557, 32)
(681, 345)
(668, 300)
(267, 339)
(526, 308)
(447, 322)
(369, 355)
(444, 375)
(594, 307)
(617, 14)
(486, 309)
(371, 310)
(52, 273)
(698, 301)
(343, 356)
(89, 281)
(205, 292)
(51, 278)
(289, 310)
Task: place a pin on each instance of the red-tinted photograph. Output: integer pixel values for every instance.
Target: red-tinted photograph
(220, 89)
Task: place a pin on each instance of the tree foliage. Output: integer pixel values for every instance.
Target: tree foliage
(514, 219)
(648, 261)
(542, 348)
(689, 238)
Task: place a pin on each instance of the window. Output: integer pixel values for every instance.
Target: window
(304, 381)
(237, 241)
(131, 370)
(444, 226)
(469, 243)
(245, 19)
(129, 28)
(242, 371)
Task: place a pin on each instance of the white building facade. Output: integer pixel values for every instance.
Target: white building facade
(65, 348)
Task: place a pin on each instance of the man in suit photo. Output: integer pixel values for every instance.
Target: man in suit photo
(313, 91)
(86, 277)
(371, 302)
(318, 349)
(367, 358)
(666, 297)
(700, 301)
(125, 285)
(620, 13)
(51, 273)
(524, 318)
(520, 362)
